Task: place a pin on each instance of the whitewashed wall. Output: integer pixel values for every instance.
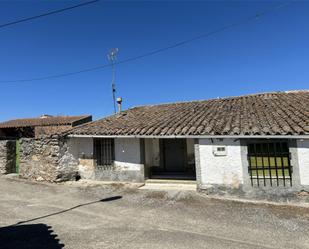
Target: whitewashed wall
(82, 150)
(81, 147)
(303, 161)
(221, 170)
(190, 150)
(152, 152)
(128, 154)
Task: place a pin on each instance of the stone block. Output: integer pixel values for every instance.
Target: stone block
(7, 156)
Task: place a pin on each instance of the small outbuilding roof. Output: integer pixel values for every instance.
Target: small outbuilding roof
(45, 120)
(277, 113)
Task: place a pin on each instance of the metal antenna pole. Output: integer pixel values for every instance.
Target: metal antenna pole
(114, 86)
(112, 56)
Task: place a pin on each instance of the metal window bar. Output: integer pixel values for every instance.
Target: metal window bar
(104, 154)
(250, 162)
(269, 168)
(276, 166)
(276, 155)
(290, 169)
(263, 166)
(256, 167)
(282, 164)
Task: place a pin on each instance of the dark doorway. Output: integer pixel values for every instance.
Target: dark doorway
(174, 155)
(175, 163)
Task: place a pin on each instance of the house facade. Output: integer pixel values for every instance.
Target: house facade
(254, 143)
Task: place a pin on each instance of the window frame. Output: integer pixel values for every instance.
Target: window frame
(103, 152)
(278, 168)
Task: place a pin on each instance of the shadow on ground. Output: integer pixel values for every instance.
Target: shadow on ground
(32, 236)
(113, 198)
(36, 236)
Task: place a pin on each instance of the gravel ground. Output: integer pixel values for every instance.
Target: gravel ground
(37, 215)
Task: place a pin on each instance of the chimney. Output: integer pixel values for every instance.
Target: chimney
(46, 116)
(119, 102)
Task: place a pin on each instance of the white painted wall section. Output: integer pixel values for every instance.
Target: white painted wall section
(221, 170)
(82, 150)
(81, 147)
(128, 154)
(303, 161)
(156, 152)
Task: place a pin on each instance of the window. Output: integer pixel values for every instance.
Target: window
(104, 151)
(269, 163)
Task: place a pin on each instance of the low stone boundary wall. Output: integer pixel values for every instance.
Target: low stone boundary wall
(47, 159)
(7, 156)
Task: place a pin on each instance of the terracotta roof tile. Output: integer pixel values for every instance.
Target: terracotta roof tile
(279, 113)
(45, 121)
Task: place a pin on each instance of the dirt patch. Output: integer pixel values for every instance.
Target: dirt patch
(288, 211)
(117, 186)
(303, 194)
(156, 195)
(284, 211)
(188, 198)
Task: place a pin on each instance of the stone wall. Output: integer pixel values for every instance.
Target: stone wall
(47, 159)
(50, 130)
(7, 156)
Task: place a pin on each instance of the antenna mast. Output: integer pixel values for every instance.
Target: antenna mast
(112, 56)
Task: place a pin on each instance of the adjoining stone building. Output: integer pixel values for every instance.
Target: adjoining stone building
(253, 143)
(44, 125)
(13, 132)
(47, 159)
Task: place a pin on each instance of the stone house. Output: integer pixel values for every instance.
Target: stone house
(44, 125)
(246, 144)
(12, 131)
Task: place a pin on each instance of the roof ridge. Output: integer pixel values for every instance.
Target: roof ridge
(40, 121)
(219, 98)
(92, 122)
(58, 116)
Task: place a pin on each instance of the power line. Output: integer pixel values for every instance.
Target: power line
(160, 50)
(46, 14)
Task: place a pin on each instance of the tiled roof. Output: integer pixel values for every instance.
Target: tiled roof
(45, 121)
(279, 113)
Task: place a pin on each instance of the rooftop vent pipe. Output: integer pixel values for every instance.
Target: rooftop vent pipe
(46, 116)
(119, 102)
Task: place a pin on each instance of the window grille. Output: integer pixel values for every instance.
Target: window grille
(104, 152)
(269, 163)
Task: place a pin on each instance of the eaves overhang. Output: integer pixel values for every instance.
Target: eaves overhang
(195, 136)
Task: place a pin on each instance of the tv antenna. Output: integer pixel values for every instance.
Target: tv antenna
(112, 57)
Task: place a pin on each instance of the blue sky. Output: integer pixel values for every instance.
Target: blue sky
(268, 54)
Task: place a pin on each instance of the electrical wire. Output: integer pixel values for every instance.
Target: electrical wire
(46, 14)
(160, 50)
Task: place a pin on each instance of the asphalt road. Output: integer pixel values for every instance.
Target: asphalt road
(60, 216)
